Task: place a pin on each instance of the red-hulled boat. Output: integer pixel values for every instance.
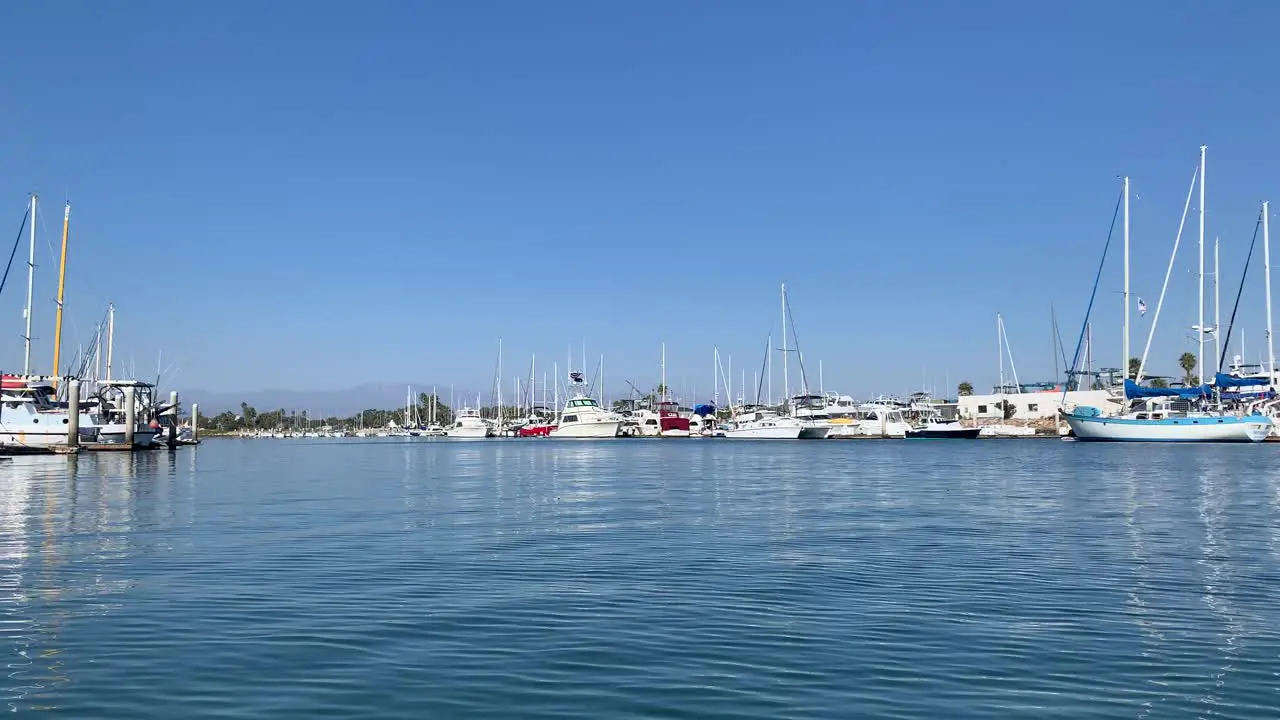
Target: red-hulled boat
(670, 422)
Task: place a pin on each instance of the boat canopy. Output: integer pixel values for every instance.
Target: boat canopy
(1231, 381)
(1134, 391)
(704, 410)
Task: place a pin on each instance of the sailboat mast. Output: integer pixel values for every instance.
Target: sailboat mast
(1000, 349)
(602, 380)
(62, 284)
(1200, 329)
(663, 367)
(111, 338)
(31, 279)
(1217, 314)
(715, 376)
(786, 382)
(1124, 365)
(1266, 262)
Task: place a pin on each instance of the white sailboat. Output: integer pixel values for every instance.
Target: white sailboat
(1166, 414)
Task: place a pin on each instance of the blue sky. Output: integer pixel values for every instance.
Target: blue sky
(311, 195)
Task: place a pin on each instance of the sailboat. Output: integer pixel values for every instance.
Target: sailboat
(1164, 414)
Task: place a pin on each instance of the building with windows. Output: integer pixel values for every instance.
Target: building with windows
(1032, 405)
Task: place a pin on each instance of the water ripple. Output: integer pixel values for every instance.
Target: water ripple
(249, 579)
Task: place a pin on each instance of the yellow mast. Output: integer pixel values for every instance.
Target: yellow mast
(62, 279)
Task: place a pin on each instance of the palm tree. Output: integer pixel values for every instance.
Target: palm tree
(965, 388)
(1187, 361)
(1135, 364)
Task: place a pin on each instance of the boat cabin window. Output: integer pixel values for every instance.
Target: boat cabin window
(1033, 407)
(982, 408)
(569, 419)
(1143, 416)
(584, 402)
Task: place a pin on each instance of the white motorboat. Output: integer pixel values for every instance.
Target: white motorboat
(762, 424)
(584, 418)
(469, 426)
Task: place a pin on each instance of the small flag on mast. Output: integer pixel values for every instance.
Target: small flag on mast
(1142, 307)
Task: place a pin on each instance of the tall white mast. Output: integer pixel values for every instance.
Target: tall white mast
(715, 376)
(1217, 314)
(1266, 263)
(786, 382)
(602, 380)
(822, 389)
(497, 381)
(31, 279)
(1200, 329)
(1124, 367)
(664, 372)
(111, 337)
(1000, 349)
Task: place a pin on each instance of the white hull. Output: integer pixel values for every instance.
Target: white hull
(773, 432)
(1194, 429)
(870, 428)
(674, 434)
(597, 430)
(467, 433)
(37, 439)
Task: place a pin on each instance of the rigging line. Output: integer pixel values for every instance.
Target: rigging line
(799, 356)
(1226, 343)
(1075, 359)
(14, 253)
(763, 364)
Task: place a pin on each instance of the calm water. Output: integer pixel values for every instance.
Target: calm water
(270, 578)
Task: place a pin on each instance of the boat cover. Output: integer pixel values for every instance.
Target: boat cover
(1133, 390)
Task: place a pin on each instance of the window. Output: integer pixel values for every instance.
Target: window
(982, 409)
(1033, 407)
(568, 419)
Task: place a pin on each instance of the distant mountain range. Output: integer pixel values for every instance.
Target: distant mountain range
(327, 403)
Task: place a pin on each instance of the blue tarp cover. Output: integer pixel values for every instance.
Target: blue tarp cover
(1133, 390)
(704, 410)
(1230, 381)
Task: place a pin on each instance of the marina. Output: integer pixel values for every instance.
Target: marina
(634, 361)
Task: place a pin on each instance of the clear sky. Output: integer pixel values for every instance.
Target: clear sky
(312, 195)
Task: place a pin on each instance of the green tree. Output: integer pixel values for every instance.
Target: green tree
(1187, 361)
(965, 388)
(1135, 364)
(248, 414)
(1008, 408)
(1159, 383)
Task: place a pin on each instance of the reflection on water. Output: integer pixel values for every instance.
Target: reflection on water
(642, 579)
(69, 535)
